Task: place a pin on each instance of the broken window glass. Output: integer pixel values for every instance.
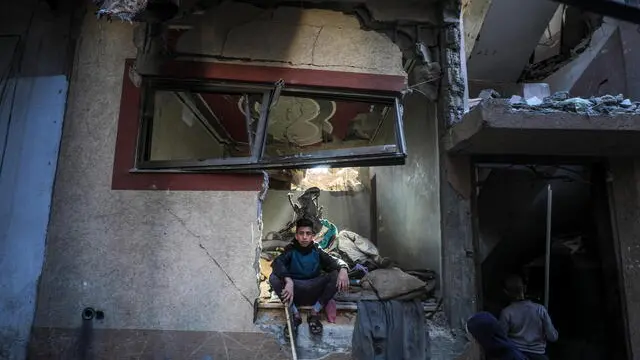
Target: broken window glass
(202, 127)
(300, 125)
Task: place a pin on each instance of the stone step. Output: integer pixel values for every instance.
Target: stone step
(340, 305)
(335, 340)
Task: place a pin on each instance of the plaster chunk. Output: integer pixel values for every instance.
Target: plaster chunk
(359, 49)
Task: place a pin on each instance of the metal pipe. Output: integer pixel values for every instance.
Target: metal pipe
(548, 247)
(294, 354)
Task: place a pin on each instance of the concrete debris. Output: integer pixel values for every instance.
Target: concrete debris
(562, 101)
(124, 9)
(515, 99)
(539, 90)
(489, 94)
(534, 101)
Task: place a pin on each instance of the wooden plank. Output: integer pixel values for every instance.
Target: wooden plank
(341, 306)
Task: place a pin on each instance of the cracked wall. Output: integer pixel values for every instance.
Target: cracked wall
(288, 36)
(174, 272)
(409, 230)
(151, 260)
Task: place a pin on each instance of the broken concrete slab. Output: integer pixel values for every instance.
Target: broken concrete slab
(496, 127)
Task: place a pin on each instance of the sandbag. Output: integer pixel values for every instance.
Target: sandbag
(358, 248)
(392, 283)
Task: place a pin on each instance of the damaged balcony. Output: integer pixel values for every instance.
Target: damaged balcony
(558, 126)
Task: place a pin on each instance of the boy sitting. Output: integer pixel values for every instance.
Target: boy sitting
(304, 275)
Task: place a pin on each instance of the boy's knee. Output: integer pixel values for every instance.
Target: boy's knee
(275, 281)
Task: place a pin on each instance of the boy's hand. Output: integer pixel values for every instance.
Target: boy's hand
(343, 280)
(287, 292)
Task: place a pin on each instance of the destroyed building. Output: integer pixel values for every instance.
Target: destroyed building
(156, 152)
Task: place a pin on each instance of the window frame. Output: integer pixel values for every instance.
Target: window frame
(376, 155)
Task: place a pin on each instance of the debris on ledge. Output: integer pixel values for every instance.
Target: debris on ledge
(562, 101)
(536, 97)
(126, 10)
(557, 126)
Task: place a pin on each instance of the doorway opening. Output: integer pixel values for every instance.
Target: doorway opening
(584, 292)
(343, 204)
(347, 210)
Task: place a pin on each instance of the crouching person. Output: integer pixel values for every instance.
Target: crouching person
(306, 275)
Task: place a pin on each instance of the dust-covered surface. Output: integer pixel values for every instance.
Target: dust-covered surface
(446, 343)
(335, 339)
(563, 102)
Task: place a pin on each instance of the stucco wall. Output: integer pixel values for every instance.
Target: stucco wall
(159, 263)
(288, 36)
(408, 202)
(143, 257)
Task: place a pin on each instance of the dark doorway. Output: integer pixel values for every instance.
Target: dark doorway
(584, 293)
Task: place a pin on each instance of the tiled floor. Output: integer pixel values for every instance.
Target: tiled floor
(98, 344)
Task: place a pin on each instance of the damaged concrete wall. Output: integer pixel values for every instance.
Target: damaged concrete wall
(408, 202)
(288, 36)
(598, 70)
(630, 39)
(105, 246)
(157, 263)
(625, 200)
(459, 285)
(347, 210)
(500, 55)
(160, 263)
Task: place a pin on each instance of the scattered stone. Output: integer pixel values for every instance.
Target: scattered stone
(489, 94)
(534, 101)
(559, 96)
(576, 105)
(539, 90)
(608, 100)
(515, 99)
(562, 101)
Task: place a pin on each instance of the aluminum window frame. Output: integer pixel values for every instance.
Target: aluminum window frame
(375, 155)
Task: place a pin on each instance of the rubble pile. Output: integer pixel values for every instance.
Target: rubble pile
(125, 10)
(562, 101)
